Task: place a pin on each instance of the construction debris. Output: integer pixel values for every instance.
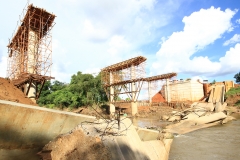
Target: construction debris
(104, 139)
(200, 115)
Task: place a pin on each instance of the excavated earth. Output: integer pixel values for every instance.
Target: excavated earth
(9, 92)
(75, 145)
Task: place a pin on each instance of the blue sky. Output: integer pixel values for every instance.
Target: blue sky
(195, 38)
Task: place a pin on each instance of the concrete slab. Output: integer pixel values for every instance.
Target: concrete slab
(26, 126)
(147, 134)
(129, 144)
(186, 126)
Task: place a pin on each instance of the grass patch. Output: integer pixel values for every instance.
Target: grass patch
(232, 92)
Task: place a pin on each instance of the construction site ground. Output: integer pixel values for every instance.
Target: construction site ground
(9, 92)
(92, 145)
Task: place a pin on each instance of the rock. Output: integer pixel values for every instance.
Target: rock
(174, 112)
(165, 117)
(227, 119)
(174, 118)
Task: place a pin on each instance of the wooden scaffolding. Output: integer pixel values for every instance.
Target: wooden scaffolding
(30, 50)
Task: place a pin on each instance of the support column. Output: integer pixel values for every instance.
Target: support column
(32, 62)
(133, 87)
(167, 91)
(111, 105)
(149, 92)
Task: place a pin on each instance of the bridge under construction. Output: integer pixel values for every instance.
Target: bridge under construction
(30, 51)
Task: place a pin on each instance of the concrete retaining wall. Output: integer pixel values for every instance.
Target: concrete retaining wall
(24, 126)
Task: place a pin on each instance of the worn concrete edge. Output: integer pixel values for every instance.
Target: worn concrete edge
(44, 109)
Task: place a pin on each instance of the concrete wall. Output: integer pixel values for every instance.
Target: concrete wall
(185, 91)
(25, 126)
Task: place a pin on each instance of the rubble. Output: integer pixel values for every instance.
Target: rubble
(199, 115)
(104, 139)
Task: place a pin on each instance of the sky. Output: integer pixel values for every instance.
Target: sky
(198, 39)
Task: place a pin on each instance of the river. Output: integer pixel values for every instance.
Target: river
(220, 142)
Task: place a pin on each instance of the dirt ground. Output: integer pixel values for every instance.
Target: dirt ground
(9, 92)
(75, 145)
(162, 110)
(231, 100)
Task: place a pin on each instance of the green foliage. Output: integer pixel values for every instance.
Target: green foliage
(232, 92)
(57, 85)
(213, 82)
(237, 77)
(83, 90)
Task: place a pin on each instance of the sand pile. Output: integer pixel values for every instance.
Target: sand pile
(9, 92)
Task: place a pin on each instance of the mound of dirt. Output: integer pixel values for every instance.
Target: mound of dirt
(233, 99)
(9, 92)
(75, 145)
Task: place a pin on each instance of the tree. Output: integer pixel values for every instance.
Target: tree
(46, 90)
(237, 77)
(57, 85)
(83, 90)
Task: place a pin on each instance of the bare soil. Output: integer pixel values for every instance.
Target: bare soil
(75, 145)
(232, 100)
(162, 110)
(9, 92)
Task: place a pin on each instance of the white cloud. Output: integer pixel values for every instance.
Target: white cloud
(230, 62)
(90, 35)
(238, 21)
(233, 40)
(94, 33)
(3, 59)
(201, 29)
(117, 45)
(3, 66)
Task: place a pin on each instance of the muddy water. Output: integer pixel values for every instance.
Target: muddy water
(220, 142)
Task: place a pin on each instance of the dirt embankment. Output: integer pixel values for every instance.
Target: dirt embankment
(75, 145)
(9, 92)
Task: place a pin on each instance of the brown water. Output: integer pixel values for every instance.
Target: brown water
(220, 142)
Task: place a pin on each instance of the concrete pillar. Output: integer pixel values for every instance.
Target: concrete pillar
(167, 91)
(32, 51)
(112, 107)
(32, 60)
(149, 92)
(133, 87)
